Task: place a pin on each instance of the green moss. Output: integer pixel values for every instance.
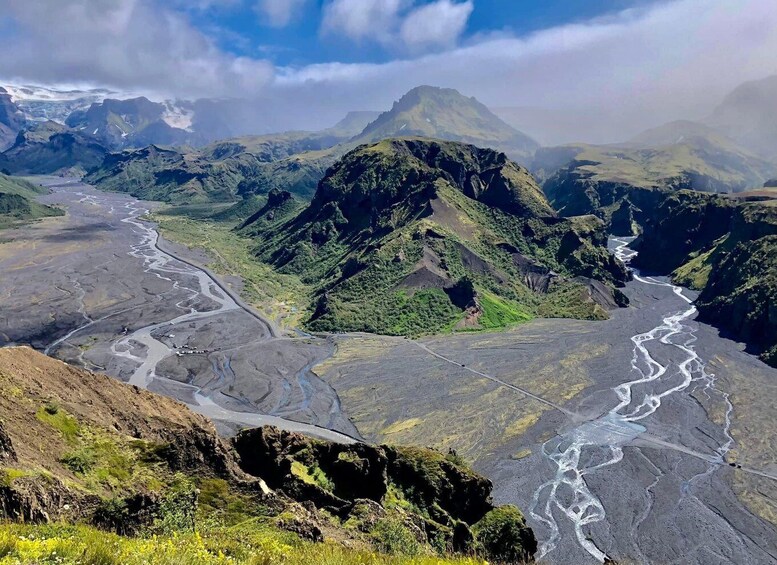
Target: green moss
(60, 420)
(391, 535)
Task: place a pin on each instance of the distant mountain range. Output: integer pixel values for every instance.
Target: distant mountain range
(296, 161)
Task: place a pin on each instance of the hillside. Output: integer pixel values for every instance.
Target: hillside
(222, 172)
(726, 248)
(617, 180)
(444, 113)
(18, 202)
(51, 148)
(131, 477)
(412, 236)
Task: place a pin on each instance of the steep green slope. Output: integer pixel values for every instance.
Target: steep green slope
(411, 235)
(444, 113)
(18, 202)
(50, 148)
(98, 458)
(727, 249)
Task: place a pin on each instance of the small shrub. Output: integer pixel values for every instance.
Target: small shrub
(391, 535)
(79, 461)
(503, 535)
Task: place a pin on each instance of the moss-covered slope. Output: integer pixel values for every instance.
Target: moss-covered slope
(94, 456)
(18, 202)
(617, 182)
(727, 249)
(412, 236)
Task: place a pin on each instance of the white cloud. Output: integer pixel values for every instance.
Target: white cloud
(279, 13)
(127, 44)
(617, 75)
(358, 20)
(401, 25)
(438, 24)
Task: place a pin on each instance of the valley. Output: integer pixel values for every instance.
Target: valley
(643, 447)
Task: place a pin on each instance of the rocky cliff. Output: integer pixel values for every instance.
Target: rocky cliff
(78, 447)
(727, 249)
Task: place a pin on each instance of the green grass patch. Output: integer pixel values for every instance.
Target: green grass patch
(60, 420)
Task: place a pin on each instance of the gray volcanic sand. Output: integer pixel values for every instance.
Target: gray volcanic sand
(654, 490)
(77, 286)
(671, 498)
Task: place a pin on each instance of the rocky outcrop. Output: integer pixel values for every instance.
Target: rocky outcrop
(7, 453)
(79, 447)
(353, 482)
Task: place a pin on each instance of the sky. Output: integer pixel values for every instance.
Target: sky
(599, 70)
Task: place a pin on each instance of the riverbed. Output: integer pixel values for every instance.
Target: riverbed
(647, 437)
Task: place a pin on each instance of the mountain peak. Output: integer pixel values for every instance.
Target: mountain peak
(444, 113)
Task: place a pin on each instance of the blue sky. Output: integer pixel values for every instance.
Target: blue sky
(597, 70)
(238, 28)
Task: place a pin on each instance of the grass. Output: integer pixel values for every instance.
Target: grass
(279, 296)
(499, 313)
(251, 543)
(60, 420)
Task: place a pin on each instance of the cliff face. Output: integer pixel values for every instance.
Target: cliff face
(727, 249)
(78, 447)
(412, 235)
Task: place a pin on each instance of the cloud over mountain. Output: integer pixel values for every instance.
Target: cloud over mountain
(619, 74)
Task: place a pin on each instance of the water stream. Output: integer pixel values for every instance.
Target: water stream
(599, 443)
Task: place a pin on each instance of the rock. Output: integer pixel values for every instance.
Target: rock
(7, 452)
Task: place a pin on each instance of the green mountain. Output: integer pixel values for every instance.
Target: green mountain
(94, 471)
(18, 202)
(616, 182)
(444, 113)
(726, 247)
(51, 148)
(222, 172)
(411, 235)
(296, 161)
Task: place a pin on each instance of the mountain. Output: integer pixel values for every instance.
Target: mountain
(748, 115)
(135, 122)
(43, 104)
(726, 247)
(12, 120)
(18, 202)
(616, 180)
(124, 476)
(49, 148)
(411, 235)
(296, 161)
(444, 113)
(221, 172)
